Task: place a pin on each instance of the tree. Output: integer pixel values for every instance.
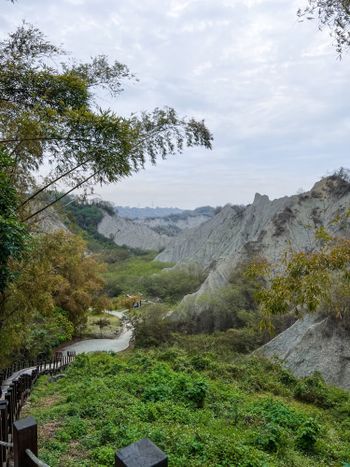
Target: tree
(54, 272)
(13, 234)
(333, 14)
(308, 282)
(49, 114)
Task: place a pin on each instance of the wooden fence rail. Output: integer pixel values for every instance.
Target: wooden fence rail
(16, 383)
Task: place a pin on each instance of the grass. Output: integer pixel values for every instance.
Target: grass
(201, 409)
(126, 277)
(110, 326)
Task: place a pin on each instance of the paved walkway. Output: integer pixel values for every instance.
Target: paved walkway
(120, 343)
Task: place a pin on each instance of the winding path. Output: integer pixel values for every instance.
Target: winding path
(118, 344)
(121, 342)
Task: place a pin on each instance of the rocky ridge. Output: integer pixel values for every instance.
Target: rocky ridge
(265, 227)
(174, 224)
(126, 232)
(153, 233)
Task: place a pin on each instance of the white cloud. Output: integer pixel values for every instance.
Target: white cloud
(270, 88)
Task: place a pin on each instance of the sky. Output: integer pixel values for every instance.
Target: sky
(270, 88)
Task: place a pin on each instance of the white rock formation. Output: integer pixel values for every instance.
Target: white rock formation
(314, 343)
(49, 221)
(173, 224)
(265, 227)
(126, 232)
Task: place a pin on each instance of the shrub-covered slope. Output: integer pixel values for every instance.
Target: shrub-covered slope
(201, 409)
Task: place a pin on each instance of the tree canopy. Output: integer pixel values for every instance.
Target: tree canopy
(49, 115)
(13, 233)
(54, 272)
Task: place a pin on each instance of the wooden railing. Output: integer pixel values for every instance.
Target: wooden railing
(16, 383)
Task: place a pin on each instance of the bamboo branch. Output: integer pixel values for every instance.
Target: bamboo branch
(62, 196)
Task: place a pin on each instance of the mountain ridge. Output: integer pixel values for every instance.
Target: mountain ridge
(265, 227)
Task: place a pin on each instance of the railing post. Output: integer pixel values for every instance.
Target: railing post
(4, 434)
(25, 436)
(9, 398)
(144, 453)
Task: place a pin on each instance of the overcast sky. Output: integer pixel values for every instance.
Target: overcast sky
(270, 88)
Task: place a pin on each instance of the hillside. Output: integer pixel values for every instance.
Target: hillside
(126, 232)
(314, 343)
(265, 228)
(173, 224)
(150, 233)
(202, 409)
(143, 213)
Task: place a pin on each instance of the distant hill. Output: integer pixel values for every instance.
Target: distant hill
(143, 213)
(173, 224)
(152, 233)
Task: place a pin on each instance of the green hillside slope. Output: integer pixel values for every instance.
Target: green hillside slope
(201, 410)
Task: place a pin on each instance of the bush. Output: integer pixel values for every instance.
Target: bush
(172, 285)
(47, 332)
(271, 438)
(307, 435)
(151, 325)
(313, 389)
(196, 407)
(196, 392)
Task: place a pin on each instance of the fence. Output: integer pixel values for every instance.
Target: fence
(18, 438)
(15, 386)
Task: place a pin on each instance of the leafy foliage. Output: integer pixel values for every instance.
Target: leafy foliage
(48, 114)
(13, 234)
(151, 325)
(55, 272)
(171, 285)
(333, 14)
(47, 332)
(127, 277)
(199, 408)
(308, 281)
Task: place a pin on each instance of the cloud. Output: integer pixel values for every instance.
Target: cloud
(271, 89)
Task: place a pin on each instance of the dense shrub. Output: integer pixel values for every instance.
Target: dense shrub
(307, 435)
(172, 285)
(47, 332)
(151, 325)
(313, 389)
(201, 410)
(127, 277)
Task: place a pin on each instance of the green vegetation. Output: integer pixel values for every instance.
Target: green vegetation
(229, 317)
(48, 113)
(172, 285)
(46, 332)
(332, 15)
(83, 218)
(13, 233)
(199, 407)
(308, 281)
(142, 275)
(101, 325)
(128, 276)
(56, 283)
(49, 118)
